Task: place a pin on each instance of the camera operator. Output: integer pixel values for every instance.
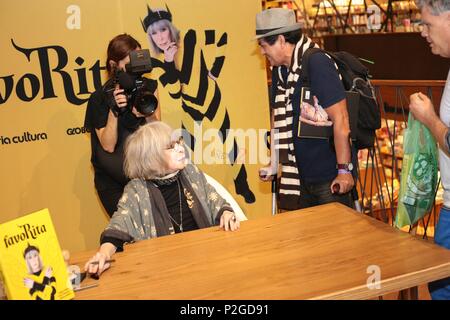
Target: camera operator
(111, 119)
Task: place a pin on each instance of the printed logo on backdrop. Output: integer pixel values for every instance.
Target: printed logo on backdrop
(77, 131)
(23, 138)
(29, 86)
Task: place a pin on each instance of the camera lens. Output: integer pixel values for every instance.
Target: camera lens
(147, 103)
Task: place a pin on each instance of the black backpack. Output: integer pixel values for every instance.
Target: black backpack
(355, 77)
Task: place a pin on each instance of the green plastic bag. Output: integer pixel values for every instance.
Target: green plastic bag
(419, 174)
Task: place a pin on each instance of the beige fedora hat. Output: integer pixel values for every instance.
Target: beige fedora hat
(275, 21)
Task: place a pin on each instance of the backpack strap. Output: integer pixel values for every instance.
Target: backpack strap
(305, 65)
(340, 59)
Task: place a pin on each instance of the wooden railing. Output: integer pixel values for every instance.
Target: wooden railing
(393, 95)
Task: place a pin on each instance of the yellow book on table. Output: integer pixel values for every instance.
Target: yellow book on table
(31, 262)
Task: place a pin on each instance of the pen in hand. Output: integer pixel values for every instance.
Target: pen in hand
(106, 261)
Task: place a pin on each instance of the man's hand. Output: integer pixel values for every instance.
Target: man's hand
(343, 183)
(422, 109)
(267, 173)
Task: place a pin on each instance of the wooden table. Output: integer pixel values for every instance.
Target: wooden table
(325, 252)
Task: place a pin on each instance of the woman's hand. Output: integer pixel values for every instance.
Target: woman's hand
(137, 113)
(49, 272)
(97, 264)
(120, 97)
(122, 102)
(229, 221)
(28, 283)
(170, 51)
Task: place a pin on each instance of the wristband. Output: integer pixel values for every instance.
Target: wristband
(343, 171)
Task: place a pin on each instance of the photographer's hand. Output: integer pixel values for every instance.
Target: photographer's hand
(137, 113)
(120, 98)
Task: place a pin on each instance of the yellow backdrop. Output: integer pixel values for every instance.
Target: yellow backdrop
(53, 54)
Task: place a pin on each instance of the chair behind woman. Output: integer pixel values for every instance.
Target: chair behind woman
(227, 196)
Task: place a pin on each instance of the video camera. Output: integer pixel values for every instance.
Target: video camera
(136, 87)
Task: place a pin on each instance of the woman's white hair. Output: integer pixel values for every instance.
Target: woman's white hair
(158, 26)
(144, 151)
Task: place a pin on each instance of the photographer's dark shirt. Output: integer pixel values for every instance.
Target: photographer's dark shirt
(108, 167)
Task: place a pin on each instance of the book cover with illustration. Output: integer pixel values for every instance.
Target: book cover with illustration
(313, 121)
(31, 261)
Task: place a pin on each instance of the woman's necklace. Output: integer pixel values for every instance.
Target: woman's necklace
(180, 225)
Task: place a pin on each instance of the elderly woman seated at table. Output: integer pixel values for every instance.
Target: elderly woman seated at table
(164, 196)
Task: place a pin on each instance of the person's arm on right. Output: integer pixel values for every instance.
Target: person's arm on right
(422, 109)
(341, 133)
